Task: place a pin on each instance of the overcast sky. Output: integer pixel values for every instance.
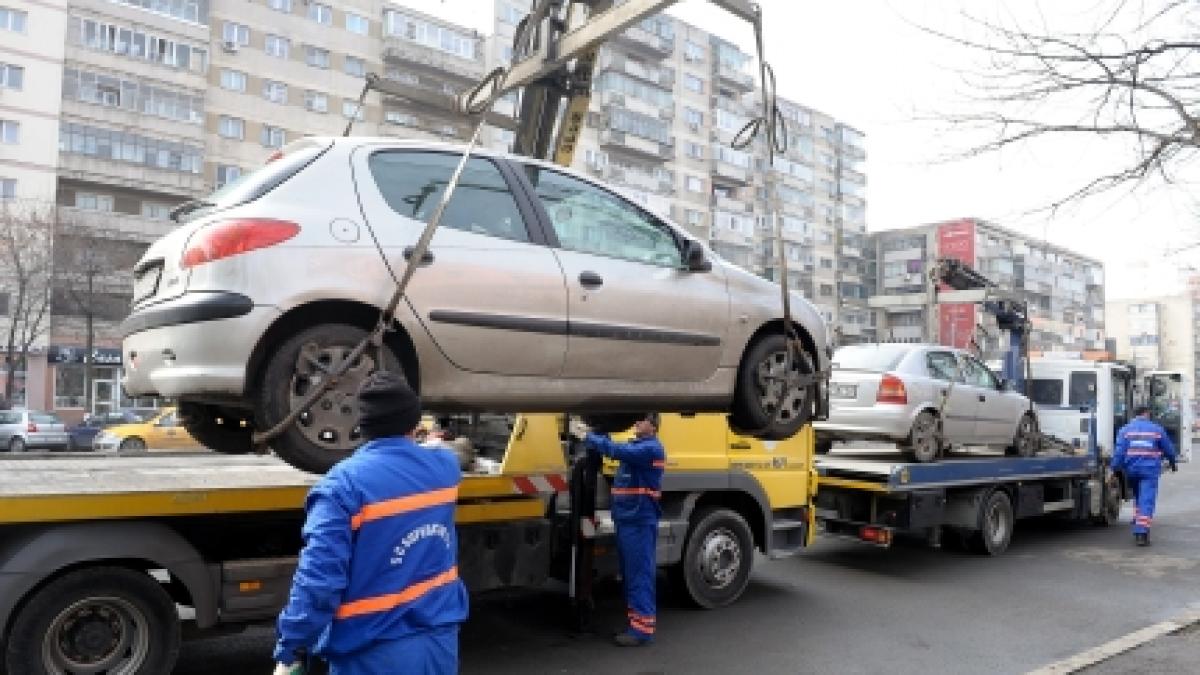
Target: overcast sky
(866, 63)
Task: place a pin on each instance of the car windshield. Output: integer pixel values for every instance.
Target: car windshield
(876, 358)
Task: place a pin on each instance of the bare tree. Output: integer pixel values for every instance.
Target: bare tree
(26, 241)
(1132, 77)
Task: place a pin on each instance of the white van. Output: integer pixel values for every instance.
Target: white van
(1064, 390)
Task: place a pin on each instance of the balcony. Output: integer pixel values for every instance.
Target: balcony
(851, 252)
(730, 173)
(89, 169)
(647, 42)
(731, 204)
(634, 104)
(733, 77)
(661, 77)
(641, 180)
(401, 51)
(132, 227)
(636, 145)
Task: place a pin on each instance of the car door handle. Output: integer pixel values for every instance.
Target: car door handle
(426, 257)
(982, 398)
(590, 279)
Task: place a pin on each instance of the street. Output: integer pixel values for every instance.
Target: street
(844, 607)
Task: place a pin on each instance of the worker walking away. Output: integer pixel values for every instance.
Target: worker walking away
(377, 587)
(1142, 445)
(635, 512)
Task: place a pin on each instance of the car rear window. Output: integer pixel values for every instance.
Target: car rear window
(260, 181)
(44, 418)
(1046, 392)
(875, 358)
(10, 417)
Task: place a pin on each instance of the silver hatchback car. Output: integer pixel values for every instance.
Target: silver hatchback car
(543, 291)
(22, 430)
(926, 398)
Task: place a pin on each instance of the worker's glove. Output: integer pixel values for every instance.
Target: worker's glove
(579, 430)
(296, 668)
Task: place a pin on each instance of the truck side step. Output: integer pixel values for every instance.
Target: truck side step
(788, 537)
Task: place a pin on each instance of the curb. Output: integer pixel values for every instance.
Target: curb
(1120, 645)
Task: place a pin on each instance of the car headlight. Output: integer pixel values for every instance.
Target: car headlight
(104, 438)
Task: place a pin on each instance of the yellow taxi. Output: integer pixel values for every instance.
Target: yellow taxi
(161, 432)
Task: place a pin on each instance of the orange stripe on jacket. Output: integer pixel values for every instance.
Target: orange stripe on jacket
(394, 507)
(621, 491)
(382, 603)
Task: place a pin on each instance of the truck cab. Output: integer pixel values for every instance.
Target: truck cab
(1065, 390)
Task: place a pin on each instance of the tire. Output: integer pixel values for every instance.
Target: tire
(132, 444)
(611, 423)
(717, 557)
(17, 444)
(1110, 510)
(102, 619)
(71, 447)
(996, 523)
(823, 446)
(216, 429)
(1026, 441)
(924, 441)
(327, 432)
(763, 405)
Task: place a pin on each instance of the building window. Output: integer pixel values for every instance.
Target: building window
(233, 80)
(280, 5)
(355, 66)
(695, 150)
(401, 119)
(136, 44)
(275, 92)
(320, 13)
(694, 217)
(693, 51)
(315, 101)
(134, 95)
(188, 10)
(277, 46)
(231, 127)
(693, 184)
(357, 24)
(693, 83)
(11, 77)
(509, 14)
(10, 132)
(693, 117)
(93, 202)
(8, 188)
(12, 19)
(272, 137)
(316, 57)
(399, 24)
(235, 33)
(351, 109)
(132, 148)
(156, 210)
(227, 174)
(826, 263)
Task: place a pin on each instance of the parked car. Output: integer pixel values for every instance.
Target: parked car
(925, 398)
(160, 432)
(543, 291)
(22, 430)
(82, 434)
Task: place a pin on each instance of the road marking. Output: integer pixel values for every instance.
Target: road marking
(1121, 645)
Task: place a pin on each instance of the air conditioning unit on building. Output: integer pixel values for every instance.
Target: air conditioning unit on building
(230, 46)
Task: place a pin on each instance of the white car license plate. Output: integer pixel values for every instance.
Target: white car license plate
(844, 391)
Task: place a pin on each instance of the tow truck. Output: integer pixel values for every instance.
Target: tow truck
(974, 497)
(107, 562)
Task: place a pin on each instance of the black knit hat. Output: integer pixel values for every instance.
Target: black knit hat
(653, 418)
(387, 406)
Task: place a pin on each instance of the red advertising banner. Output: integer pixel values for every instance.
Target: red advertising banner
(956, 321)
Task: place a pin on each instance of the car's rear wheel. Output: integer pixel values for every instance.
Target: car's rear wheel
(133, 444)
(767, 402)
(1025, 439)
(219, 430)
(17, 444)
(327, 432)
(924, 442)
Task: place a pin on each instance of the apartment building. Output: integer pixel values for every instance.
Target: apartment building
(1065, 290)
(1159, 332)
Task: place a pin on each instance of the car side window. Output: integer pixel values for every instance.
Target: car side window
(943, 366)
(412, 183)
(167, 420)
(10, 418)
(589, 219)
(978, 374)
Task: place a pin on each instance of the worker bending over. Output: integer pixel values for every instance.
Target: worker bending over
(635, 511)
(377, 587)
(1142, 445)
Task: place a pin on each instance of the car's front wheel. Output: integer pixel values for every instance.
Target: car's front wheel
(327, 431)
(768, 403)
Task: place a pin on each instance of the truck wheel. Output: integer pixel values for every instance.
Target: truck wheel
(996, 523)
(924, 442)
(1110, 510)
(97, 620)
(328, 431)
(715, 568)
(216, 429)
(1025, 441)
(764, 405)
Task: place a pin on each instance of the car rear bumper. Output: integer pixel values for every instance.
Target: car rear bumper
(188, 308)
(880, 420)
(199, 357)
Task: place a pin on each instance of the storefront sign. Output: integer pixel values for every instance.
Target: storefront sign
(103, 356)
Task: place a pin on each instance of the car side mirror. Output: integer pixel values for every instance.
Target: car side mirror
(693, 257)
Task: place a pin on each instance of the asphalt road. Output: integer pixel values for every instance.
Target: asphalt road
(843, 607)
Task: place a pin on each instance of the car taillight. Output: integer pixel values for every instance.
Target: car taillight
(891, 390)
(234, 237)
(31, 428)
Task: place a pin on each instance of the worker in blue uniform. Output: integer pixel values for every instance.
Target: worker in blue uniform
(377, 587)
(1142, 445)
(635, 494)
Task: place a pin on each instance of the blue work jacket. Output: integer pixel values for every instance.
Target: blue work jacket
(1142, 446)
(380, 552)
(637, 487)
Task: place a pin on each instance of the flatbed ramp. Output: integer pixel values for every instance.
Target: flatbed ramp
(99, 487)
(883, 471)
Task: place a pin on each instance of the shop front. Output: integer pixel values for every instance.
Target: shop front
(70, 383)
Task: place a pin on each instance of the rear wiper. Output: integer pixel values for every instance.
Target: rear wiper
(187, 207)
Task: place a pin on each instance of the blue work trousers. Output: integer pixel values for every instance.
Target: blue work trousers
(1145, 494)
(433, 652)
(636, 543)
